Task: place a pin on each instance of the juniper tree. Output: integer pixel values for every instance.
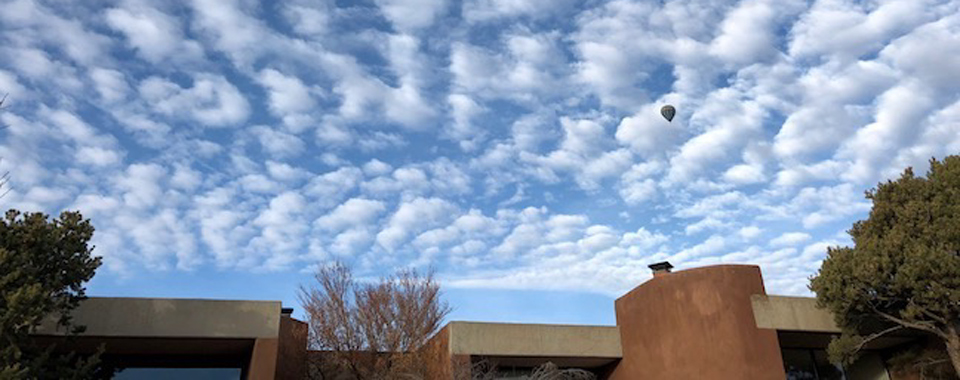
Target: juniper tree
(903, 270)
(43, 267)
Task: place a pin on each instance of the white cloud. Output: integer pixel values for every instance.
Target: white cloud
(731, 120)
(228, 28)
(493, 10)
(221, 216)
(110, 84)
(282, 231)
(184, 177)
(744, 174)
(412, 217)
(10, 84)
(818, 126)
(528, 71)
(750, 232)
(849, 30)
(352, 241)
(713, 245)
(463, 110)
(278, 143)
(643, 239)
(376, 167)
(160, 236)
(288, 95)
(69, 35)
(91, 146)
(747, 34)
(355, 212)
(411, 14)
(155, 35)
(928, 52)
(403, 136)
(898, 110)
(331, 187)
(141, 185)
(647, 133)
(284, 172)
(210, 100)
(311, 18)
(619, 44)
(98, 156)
(380, 141)
(637, 185)
(789, 239)
(821, 205)
(258, 183)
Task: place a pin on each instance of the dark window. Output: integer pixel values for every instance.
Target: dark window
(799, 364)
(178, 373)
(804, 364)
(825, 369)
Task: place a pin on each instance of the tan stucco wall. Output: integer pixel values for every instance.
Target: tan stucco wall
(263, 360)
(792, 314)
(507, 339)
(696, 324)
(173, 318)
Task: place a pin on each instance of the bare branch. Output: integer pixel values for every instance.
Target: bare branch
(931, 315)
(550, 371)
(374, 330)
(4, 183)
(3, 100)
(874, 336)
(913, 325)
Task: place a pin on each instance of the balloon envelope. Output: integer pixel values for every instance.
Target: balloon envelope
(668, 112)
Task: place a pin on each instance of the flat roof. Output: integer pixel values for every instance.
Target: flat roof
(792, 314)
(534, 340)
(172, 318)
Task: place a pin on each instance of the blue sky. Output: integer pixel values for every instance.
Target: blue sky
(223, 149)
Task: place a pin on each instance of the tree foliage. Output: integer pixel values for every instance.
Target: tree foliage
(43, 267)
(903, 271)
(372, 330)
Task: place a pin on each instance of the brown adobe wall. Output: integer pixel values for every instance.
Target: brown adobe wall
(442, 363)
(696, 324)
(292, 350)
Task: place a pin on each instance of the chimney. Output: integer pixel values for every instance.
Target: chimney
(661, 268)
(286, 311)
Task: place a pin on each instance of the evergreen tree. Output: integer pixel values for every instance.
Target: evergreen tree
(903, 271)
(43, 267)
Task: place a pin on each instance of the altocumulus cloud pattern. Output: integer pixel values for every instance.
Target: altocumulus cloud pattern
(509, 144)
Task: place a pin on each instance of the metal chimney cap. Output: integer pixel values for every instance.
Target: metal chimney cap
(663, 266)
(286, 310)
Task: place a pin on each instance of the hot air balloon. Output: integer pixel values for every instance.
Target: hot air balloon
(668, 112)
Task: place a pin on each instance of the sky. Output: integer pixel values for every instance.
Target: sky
(225, 149)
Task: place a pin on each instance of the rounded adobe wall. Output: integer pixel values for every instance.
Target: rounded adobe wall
(696, 324)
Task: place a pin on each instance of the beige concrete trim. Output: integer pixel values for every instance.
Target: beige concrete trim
(509, 339)
(791, 314)
(173, 318)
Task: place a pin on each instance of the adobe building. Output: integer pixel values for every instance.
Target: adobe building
(713, 322)
(188, 338)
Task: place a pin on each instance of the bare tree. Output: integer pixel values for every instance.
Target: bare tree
(484, 369)
(371, 330)
(550, 371)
